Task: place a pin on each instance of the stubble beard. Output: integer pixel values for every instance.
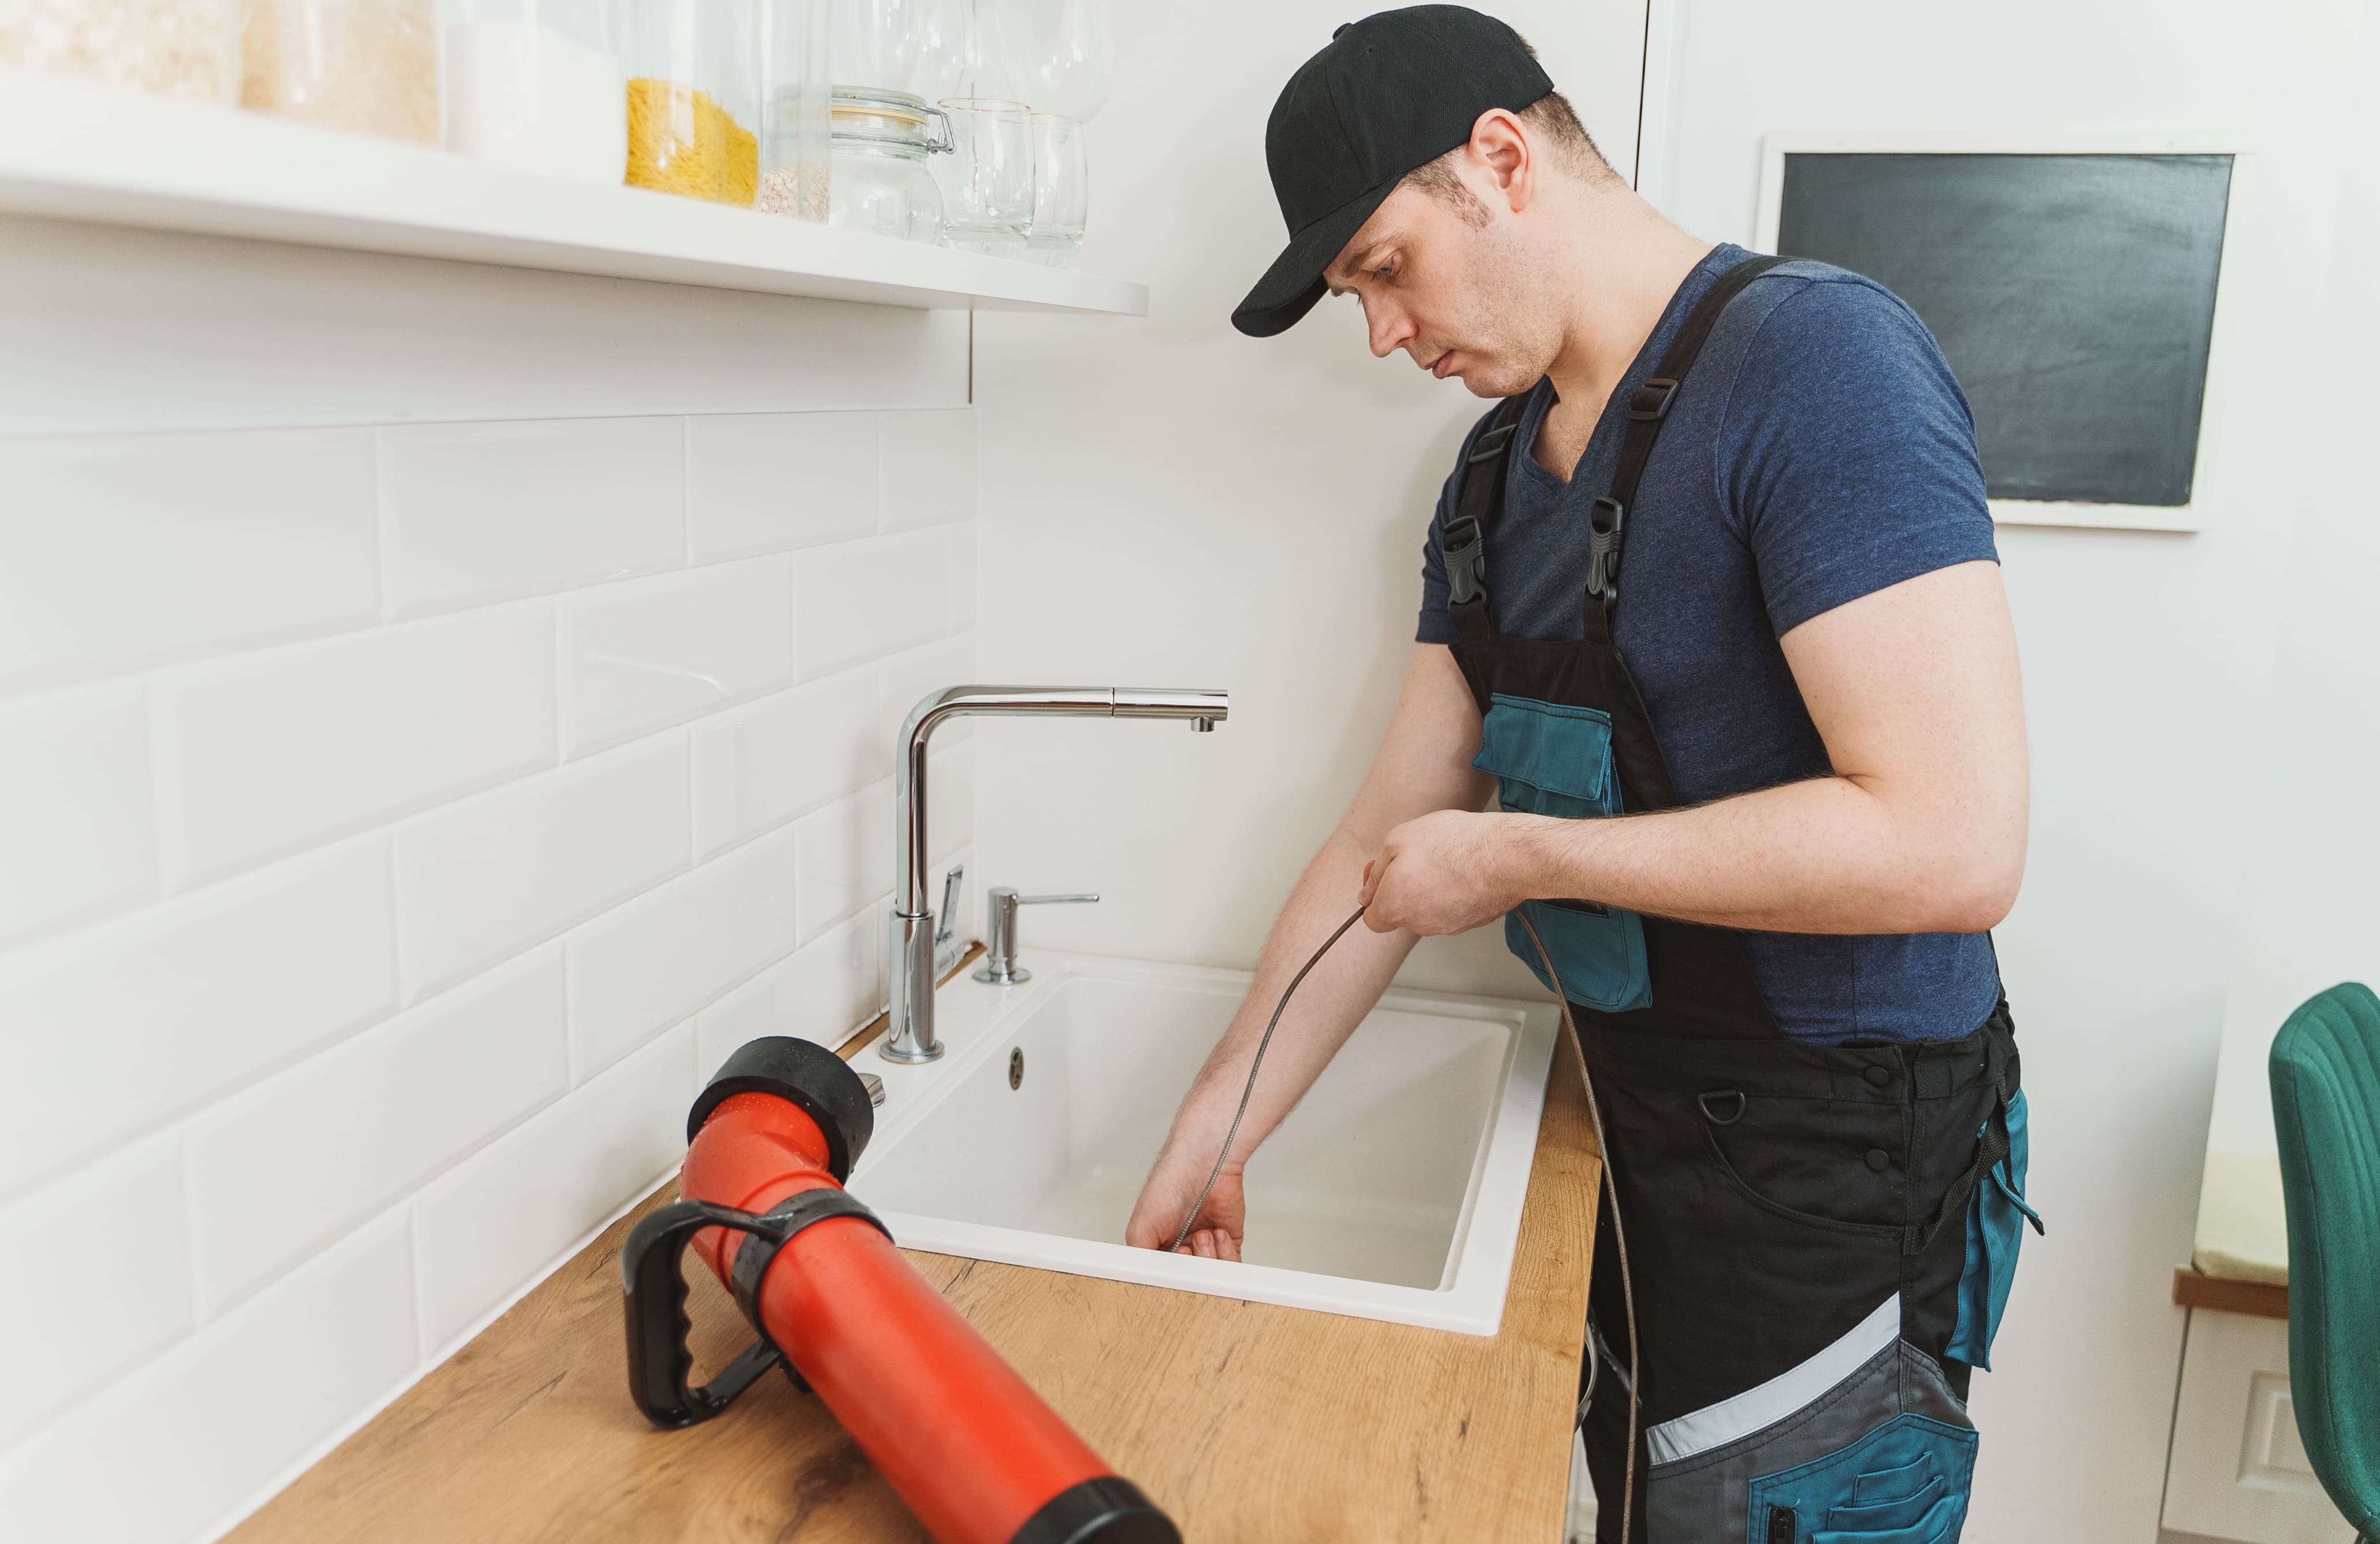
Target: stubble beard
(1518, 340)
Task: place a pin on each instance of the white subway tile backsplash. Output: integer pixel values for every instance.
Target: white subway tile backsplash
(860, 600)
(279, 1171)
(640, 656)
(77, 1307)
(496, 874)
(844, 855)
(929, 468)
(489, 1226)
(907, 678)
(648, 964)
(763, 483)
(107, 1033)
(482, 511)
(759, 766)
(120, 551)
(76, 839)
(963, 578)
(394, 821)
(821, 992)
(267, 753)
(171, 1450)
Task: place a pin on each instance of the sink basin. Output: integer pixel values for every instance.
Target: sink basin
(1392, 1192)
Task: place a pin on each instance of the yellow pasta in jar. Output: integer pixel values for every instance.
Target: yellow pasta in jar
(682, 141)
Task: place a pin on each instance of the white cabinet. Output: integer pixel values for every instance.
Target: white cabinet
(2238, 1470)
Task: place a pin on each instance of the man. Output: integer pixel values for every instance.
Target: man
(1711, 607)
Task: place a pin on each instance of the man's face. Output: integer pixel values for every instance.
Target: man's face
(1452, 285)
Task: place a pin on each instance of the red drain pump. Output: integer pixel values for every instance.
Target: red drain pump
(965, 1441)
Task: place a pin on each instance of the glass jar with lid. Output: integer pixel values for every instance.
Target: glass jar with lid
(537, 85)
(369, 66)
(692, 98)
(187, 49)
(879, 181)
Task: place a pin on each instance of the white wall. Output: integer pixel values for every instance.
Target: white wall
(1167, 502)
(1177, 502)
(399, 817)
(2311, 906)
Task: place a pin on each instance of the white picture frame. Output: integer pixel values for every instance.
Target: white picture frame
(2206, 498)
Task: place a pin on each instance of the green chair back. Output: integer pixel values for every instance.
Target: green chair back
(2326, 1077)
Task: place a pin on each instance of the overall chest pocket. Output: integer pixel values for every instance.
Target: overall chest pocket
(1553, 759)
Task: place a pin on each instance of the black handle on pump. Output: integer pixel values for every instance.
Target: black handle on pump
(652, 1276)
(658, 1363)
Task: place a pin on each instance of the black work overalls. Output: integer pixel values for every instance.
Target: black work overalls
(1820, 1237)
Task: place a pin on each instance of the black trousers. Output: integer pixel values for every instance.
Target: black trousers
(1796, 1242)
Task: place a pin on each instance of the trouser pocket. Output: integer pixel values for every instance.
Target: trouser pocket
(1884, 1454)
(1996, 1216)
(1555, 759)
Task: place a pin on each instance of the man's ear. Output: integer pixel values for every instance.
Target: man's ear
(1501, 148)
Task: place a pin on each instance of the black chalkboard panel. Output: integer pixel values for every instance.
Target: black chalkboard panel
(2073, 295)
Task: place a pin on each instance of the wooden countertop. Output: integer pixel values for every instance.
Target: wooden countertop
(1243, 1420)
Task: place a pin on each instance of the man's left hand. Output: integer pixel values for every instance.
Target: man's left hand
(1446, 872)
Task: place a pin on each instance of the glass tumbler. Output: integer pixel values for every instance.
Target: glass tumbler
(1061, 190)
(693, 89)
(537, 85)
(987, 181)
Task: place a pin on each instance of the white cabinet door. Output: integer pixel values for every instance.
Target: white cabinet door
(2239, 1470)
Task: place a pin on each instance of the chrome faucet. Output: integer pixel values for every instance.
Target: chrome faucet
(910, 1036)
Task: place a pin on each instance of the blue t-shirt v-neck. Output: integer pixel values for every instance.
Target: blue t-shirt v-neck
(1819, 451)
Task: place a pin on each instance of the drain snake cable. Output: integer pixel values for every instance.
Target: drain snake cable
(1594, 1111)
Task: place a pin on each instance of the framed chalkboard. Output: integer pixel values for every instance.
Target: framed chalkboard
(2074, 291)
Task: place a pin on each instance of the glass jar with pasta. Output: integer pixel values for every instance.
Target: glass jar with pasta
(692, 94)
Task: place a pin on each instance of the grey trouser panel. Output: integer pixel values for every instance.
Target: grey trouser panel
(1882, 1455)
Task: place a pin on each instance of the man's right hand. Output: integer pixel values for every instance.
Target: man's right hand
(1166, 1196)
(1424, 764)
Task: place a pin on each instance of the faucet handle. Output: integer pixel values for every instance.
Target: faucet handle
(1000, 967)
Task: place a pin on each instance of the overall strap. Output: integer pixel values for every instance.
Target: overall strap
(1476, 504)
(1648, 408)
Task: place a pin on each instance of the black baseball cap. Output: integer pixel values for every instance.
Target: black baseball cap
(1391, 93)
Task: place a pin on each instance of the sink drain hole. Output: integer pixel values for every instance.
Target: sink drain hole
(1016, 1068)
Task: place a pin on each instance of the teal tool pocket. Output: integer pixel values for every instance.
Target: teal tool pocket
(1549, 759)
(1997, 1215)
(1906, 1482)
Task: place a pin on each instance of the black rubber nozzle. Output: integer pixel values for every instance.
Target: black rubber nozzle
(1108, 1509)
(814, 1078)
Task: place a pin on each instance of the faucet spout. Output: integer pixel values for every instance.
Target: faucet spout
(910, 1034)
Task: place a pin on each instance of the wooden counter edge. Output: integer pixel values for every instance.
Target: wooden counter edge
(2194, 1289)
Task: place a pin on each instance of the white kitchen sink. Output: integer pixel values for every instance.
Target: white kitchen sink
(1392, 1192)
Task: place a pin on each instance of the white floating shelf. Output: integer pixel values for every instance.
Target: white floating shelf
(76, 151)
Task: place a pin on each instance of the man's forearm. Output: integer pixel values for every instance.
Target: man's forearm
(1824, 856)
(1332, 1001)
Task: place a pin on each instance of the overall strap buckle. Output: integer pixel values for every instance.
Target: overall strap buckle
(1607, 525)
(1650, 401)
(1490, 443)
(1466, 561)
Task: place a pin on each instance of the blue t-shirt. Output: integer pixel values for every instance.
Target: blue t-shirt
(1819, 451)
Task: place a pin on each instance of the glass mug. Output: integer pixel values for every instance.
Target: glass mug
(1061, 190)
(987, 181)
